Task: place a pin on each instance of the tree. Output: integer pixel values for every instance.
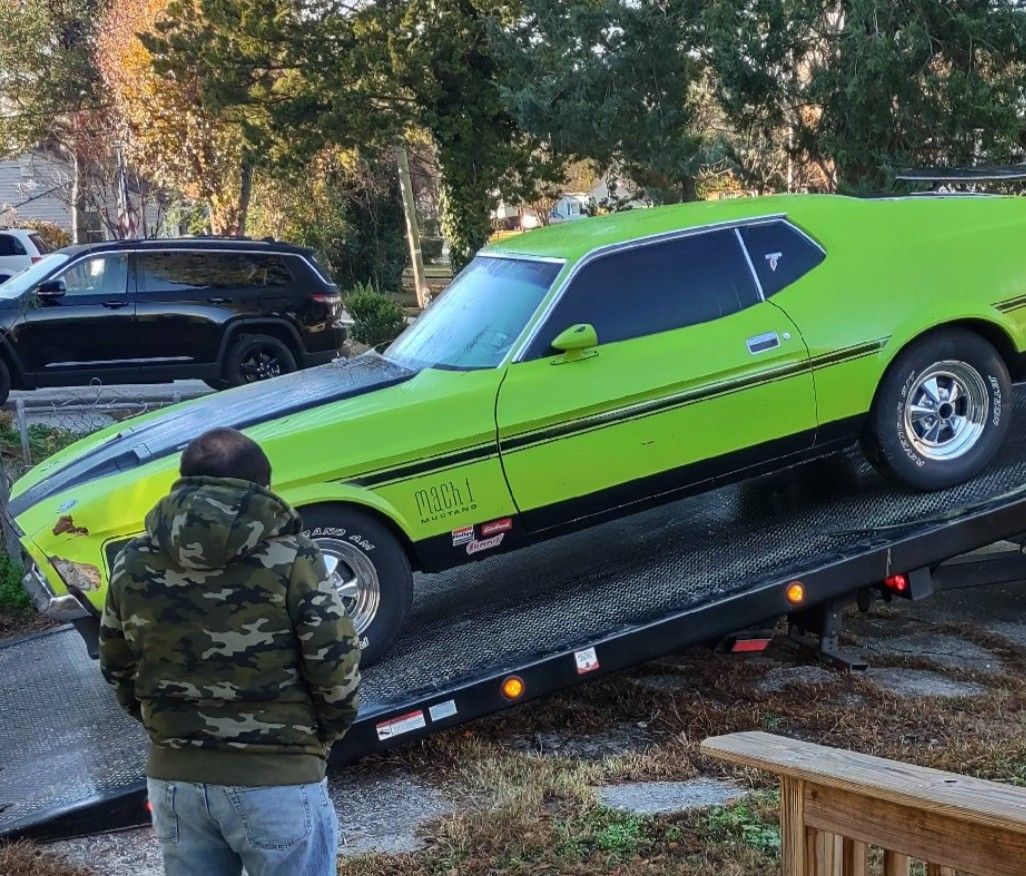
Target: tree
(169, 130)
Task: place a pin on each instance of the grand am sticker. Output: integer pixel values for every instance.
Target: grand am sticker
(403, 724)
(587, 661)
(485, 544)
(462, 535)
(496, 526)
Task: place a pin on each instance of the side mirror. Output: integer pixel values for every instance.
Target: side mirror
(577, 342)
(50, 290)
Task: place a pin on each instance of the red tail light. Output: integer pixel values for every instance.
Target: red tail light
(36, 259)
(749, 646)
(898, 583)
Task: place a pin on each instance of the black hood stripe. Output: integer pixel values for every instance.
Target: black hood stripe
(241, 408)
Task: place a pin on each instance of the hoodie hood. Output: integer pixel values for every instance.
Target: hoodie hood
(209, 523)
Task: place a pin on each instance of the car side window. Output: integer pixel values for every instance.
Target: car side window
(11, 246)
(652, 288)
(100, 275)
(182, 271)
(780, 254)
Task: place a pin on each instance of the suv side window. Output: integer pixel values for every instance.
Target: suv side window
(780, 253)
(99, 275)
(11, 246)
(654, 288)
(182, 271)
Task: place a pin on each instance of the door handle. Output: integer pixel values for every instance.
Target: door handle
(762, 343)
(115, 305)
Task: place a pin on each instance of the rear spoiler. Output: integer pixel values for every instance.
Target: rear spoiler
(963, 175)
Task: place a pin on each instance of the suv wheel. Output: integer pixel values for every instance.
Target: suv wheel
(253, 358)
(370, 571)
(5, 382)
(941, 412)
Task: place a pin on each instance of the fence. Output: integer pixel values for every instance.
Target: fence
(835, 806)
(33, 429)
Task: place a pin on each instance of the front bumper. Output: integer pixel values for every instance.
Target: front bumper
(62, 608)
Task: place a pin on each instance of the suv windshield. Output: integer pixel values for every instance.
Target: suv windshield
(21, 283)
(476, 320)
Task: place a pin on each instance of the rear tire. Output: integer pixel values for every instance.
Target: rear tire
(941, 412)
(5, 382)
(369, 568)
(254, 358)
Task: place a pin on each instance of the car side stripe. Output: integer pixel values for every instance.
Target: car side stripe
(640, 410)
(1011, 304)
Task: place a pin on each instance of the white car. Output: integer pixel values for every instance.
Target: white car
(20, 249)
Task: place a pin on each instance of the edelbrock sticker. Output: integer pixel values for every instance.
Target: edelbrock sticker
(403, 724)
(496, 526)
(587, 661)
(462, 535)
(485, 544)
(441, 711)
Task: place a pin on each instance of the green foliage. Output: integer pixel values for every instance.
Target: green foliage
(753, 821)
(377, 318)
(13, 598)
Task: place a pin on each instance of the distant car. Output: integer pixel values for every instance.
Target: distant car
(20, 249)
(226, 311)
(573, 374)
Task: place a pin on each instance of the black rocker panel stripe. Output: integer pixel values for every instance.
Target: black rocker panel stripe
(1011, 304)
(437, 553)
(598, 421)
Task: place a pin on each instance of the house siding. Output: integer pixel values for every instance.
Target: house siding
(35, 186)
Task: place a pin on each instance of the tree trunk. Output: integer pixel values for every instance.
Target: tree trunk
(412, 229)
(245, 196)
(76, 197)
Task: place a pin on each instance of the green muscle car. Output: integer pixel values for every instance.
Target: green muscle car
(584, 371)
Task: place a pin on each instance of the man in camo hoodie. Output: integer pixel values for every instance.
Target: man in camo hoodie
(223, 634)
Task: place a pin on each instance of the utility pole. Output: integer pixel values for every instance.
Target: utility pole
(412, 231)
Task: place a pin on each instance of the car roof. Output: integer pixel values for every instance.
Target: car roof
(227, 244)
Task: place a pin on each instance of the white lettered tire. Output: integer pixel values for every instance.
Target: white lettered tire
(941, 412)
(369, 568)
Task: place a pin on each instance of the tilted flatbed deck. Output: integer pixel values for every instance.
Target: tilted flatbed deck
(688, 572)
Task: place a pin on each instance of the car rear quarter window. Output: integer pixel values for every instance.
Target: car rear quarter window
(780, 254)
(41, 245)
(654, 288)
(11, 246)
(182, 271)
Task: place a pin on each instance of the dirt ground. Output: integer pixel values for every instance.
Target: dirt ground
(607, 778)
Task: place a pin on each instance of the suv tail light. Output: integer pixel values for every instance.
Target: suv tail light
(331, 299)
(36, 259)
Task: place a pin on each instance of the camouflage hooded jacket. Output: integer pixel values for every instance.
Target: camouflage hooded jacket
(224, 636)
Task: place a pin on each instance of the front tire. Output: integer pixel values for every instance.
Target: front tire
(941, 412)
(370, 570)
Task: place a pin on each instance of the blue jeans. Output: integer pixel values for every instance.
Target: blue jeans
(216, 830)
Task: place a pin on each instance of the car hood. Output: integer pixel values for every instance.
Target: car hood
(168, 433)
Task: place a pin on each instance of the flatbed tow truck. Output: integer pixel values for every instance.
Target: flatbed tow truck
(802, 543)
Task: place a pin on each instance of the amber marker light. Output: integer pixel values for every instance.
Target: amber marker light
(795, 593)
(513, 687)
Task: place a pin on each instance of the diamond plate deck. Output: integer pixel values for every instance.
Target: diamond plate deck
(64, 744)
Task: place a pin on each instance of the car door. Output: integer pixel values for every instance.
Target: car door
(87, 330)
(694, 376)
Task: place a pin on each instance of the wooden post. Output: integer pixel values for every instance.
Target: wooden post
(856, 858)
(896, 864)
(792, 827)
(412, 229)
(938, 870)
(826, 854)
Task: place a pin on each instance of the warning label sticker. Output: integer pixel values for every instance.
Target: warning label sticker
(587, 661)
(403, 724)
(441, 711)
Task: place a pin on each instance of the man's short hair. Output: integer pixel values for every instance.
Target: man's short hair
(226, 453)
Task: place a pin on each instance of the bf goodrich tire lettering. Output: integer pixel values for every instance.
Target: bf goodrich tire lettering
(368, 568)
(939, 417)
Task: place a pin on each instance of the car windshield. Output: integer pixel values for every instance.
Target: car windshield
(477, 319)
(19, 284)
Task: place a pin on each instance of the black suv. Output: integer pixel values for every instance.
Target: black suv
(224, 310)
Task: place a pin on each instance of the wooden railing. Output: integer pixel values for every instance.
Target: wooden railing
(835, 805)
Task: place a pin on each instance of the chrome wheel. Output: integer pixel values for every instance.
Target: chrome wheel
(946, 410)
(354, 578)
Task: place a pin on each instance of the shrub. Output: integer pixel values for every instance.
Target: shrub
(377, 318)
(53, 235)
